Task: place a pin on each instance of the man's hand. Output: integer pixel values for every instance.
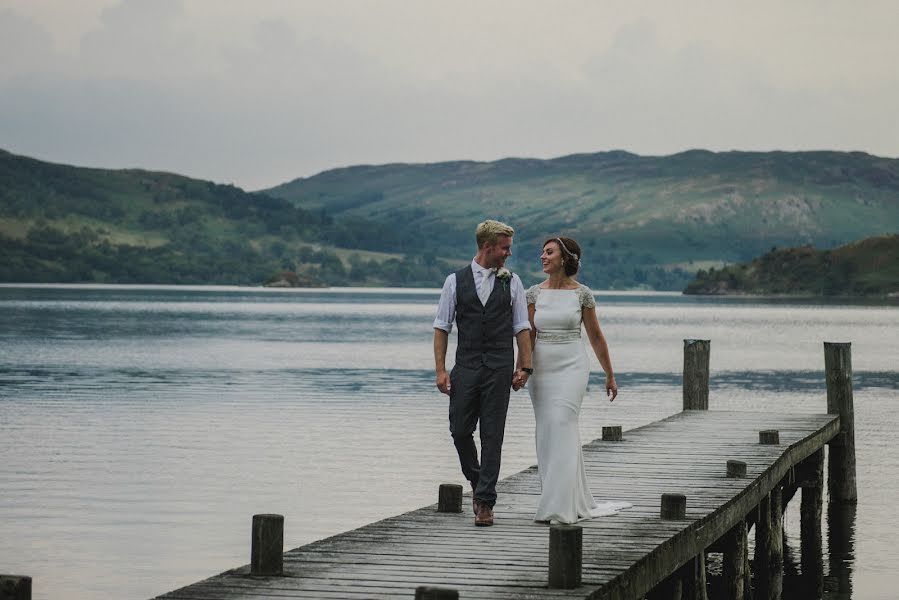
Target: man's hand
(443, 382)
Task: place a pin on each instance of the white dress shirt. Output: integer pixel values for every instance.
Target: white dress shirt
(446, 308)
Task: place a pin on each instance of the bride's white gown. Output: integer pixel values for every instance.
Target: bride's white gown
(557, 388)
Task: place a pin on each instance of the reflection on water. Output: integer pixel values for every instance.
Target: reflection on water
(170, 415)
(840, 551)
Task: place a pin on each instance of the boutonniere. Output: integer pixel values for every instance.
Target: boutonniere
(505, 276)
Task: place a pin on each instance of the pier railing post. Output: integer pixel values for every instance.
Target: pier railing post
(841, 486)
(267, 547)
(566, 543)
(696, 374)
(15, 587)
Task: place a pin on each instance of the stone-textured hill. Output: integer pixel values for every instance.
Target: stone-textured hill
(694, 206)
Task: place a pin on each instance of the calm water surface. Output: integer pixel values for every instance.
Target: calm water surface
(142, 427)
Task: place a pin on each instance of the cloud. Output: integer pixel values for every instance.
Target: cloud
(24, 44)
(260, 93)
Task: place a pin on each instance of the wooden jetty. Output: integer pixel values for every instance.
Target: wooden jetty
(698, 481)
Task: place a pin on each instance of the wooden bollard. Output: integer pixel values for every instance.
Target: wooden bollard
(566, 544)
(612, 433)
(841, 486)
(696, 374)
(424, 592)
(736, 468)
(267, 547)
(770, 437)
(674, 507)
(449, 498)
(15, 587)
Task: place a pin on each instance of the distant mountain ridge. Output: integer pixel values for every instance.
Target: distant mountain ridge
(630, 212)
(644, 222)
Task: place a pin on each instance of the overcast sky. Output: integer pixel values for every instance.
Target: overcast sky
(258, 93)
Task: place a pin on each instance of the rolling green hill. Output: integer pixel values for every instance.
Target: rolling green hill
(641, 220)
(869, 267)
(61, 223)
(647, 222)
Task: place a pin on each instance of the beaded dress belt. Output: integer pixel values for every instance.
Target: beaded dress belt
(558, 336)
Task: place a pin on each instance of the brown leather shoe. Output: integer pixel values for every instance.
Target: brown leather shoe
(484, 517)
(474, 502)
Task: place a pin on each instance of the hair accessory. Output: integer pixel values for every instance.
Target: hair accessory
(569, 252)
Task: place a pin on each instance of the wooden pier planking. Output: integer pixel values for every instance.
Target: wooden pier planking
(624, 555)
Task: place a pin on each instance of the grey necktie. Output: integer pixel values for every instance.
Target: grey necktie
(484, 288)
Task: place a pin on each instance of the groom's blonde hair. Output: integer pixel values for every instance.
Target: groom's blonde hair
(489, 230)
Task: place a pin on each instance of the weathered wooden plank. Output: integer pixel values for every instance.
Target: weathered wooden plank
(624, 556)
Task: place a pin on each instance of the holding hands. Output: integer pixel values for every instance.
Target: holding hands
(519, 379)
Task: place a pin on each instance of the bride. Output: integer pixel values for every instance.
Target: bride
(556, 309)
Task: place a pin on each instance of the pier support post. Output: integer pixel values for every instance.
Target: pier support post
(435, 593)
(566, 543)
(267, 548)
(449, 498)
(694, 579)
(736, 559)
(769, 554)
(841, 486)
(671, 588)
(696, 374)
(15, 587)
(812, 560)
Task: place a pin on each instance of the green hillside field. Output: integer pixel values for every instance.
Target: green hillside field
(61, 223)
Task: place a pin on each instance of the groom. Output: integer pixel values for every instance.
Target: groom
(489, 307)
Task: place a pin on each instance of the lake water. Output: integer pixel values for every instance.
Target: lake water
(142, 427)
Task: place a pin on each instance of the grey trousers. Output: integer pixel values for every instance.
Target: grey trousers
(480, 398)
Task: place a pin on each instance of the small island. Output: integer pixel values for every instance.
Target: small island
(866, 268)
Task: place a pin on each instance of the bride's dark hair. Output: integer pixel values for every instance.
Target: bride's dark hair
(571, 253)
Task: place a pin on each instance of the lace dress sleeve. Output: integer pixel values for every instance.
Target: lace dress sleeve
(585, 295)
(532, 294)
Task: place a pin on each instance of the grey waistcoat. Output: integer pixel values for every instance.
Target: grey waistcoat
(485, 332)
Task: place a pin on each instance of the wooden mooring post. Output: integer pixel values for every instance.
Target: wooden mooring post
(841, 485)
(267, 547)
(15, 587)
(696, 374)
(435, 593)
(566, 543)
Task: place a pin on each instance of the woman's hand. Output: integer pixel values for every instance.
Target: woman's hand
(611, 388)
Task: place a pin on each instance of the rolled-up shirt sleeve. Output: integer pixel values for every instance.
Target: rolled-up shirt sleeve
(520, 320)
(446, 308)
